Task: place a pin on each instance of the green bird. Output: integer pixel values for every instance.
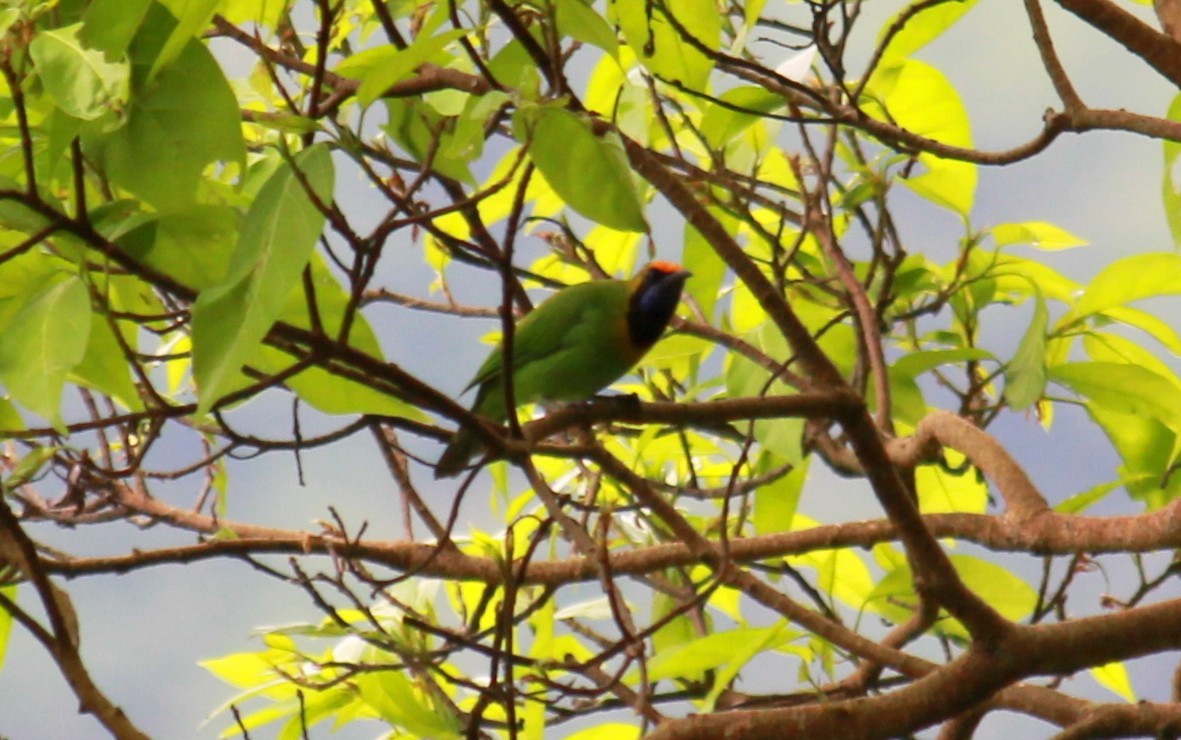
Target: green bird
(578, 342)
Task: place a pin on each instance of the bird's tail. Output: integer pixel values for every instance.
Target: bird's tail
(457, 455)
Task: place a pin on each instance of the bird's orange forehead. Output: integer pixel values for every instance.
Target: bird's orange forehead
(662, 266)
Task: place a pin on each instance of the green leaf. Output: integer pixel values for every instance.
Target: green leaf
(104, 368)
(1131, 279)
(1124, 389)
(657, 44)
(1114, 677)
(1025, 375)
(467, 139)
(1159, 330)
(80, 81)
(1038, 234)
(10, 418)
(183, 120)
(109, 25)
(677, 631)
(1003, 591)
(776, 502)
(423, 132)
(589, 172)
(280, 231)
(709, 270)
(332, 394)
(1171, 181)
(9, 592)
(393, 696)
(745, 378)
(919, 98)
(8, 17)
(30, 466)
(1110, 347)
(943, 492)
(578, 20)
(718, 649)
(917, 363)
(192, 246)
(1146, 447)
(923, 28)
(192, 17)
(381, 68)
(43, 342)
(1080, 502)
(722, 123)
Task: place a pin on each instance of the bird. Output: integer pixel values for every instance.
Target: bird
(574, 344)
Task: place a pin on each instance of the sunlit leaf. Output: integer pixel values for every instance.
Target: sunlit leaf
(658, 44)
(711, 651)
(1125, 389)
(923, 27)
(1146, 448)
(1130, 279)
(1012, 597)
(941, 491)
(394, 697)
(1036, 234)
(775, 502)
(1080, 502)
(29, 466)
(920, 99)
(9, 592)
(1160, 330)
(608, 731)
(1114, 677)
(1171, 181)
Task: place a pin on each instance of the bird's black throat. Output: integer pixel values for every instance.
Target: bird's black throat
(652, 305)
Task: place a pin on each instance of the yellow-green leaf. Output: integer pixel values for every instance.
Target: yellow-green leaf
(1130, 279)
(1037, 234)
(920, 99)
(1122, 388)
(1171, 181)
(924, 27)
(660, 47)
(1114, 677)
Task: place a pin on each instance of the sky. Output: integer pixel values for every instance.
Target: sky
(144, 633)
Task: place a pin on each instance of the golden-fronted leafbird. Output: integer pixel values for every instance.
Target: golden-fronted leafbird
(576, 343)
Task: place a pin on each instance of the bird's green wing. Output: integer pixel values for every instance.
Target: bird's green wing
(578, 316)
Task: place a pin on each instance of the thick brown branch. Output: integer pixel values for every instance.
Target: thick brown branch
(1161, 52)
